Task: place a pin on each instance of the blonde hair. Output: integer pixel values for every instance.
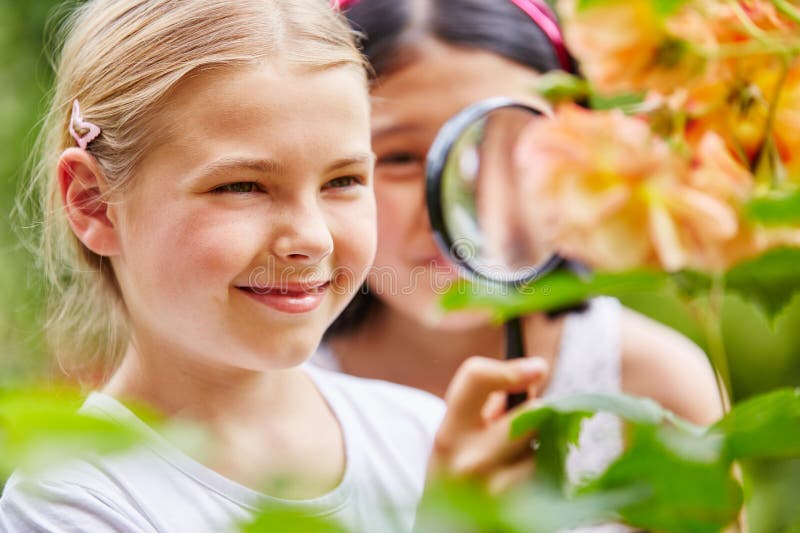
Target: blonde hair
(121, 59)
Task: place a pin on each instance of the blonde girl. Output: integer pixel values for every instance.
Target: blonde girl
(206, 179)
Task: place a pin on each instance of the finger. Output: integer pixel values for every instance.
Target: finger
(495, 407)
(477, 378)
(514, 475)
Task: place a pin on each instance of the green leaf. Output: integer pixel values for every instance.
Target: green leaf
(777, 208)
(691, 283)
(464, 506)
(627, 102)
(769, 280)
(771, 488)
(557, 433)
(691, 486)
(535, 509)
(679, 471)
(630, 408)
(460, 505)
(271, 520)
(557, 290)
(39, 428)
(763, 427)
(558, 86)
(557, 423)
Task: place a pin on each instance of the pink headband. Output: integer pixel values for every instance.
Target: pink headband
(76, 124)
(544, 17)
(539, 12)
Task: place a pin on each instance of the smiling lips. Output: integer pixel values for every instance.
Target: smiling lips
(292, 298)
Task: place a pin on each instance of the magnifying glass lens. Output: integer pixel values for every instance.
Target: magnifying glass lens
(487, 209)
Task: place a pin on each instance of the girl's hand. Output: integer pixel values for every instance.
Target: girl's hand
(473, 441)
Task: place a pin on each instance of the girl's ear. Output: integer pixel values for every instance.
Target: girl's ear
(82, 187)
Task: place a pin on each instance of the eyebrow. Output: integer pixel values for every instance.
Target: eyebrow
(395, 129)
(360, 158)
(271, 166)
(264, 166)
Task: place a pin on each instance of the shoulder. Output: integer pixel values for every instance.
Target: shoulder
(380, 401)
(663, 364)
(73, 497)
(389, 430)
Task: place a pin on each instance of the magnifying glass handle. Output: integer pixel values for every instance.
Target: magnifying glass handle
(514, 350)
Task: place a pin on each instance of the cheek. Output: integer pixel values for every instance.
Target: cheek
(397, 214)
(355, 230)
(188, 250)
(218, 248)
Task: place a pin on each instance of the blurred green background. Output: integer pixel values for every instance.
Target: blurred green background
(762, 355)
(24, 79)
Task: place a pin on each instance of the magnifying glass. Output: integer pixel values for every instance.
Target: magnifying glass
(481, 217)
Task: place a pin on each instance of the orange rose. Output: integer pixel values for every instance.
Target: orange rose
(736, 105)
(616, 196)
(734, 97)
(627, 46)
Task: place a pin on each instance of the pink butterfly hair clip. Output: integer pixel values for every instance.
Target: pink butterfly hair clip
(77, 124)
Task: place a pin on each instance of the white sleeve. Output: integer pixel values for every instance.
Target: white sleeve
(60, 507)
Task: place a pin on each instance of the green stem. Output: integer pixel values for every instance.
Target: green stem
(770, 122)
(748, 24)
(787, 9)
(747, 49)
(712, 322)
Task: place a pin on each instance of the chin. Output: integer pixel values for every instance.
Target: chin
(432, 316)
(282, 356)
(462, 320)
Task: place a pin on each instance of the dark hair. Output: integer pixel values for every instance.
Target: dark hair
(390, 29)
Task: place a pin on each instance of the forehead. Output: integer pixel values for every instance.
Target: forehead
(264, 111)
(443, 79)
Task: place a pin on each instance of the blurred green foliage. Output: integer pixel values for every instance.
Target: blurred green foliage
(763, 354)
(25, 76)
(758, 313)
(40, 428)
(672, 477)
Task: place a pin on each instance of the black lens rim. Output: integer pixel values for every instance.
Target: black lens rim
(434, 170)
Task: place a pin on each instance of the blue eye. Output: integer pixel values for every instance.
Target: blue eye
(239, 187)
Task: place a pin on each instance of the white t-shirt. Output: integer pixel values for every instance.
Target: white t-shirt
(388, 432)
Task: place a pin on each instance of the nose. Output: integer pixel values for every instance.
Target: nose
(421, 229)
(302, 235)
(421, 208)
